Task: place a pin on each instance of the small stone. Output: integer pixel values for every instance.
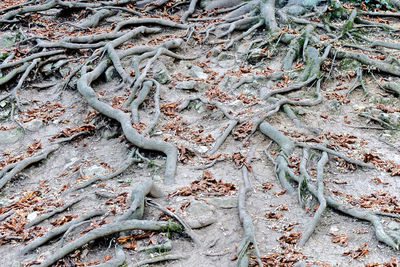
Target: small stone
(197, 72)
(191, 85)
(3, 104)
(334, 229)
(33, 125)
(47, 68)
(243, 48)
(202, 149)
(300, 264)
(32, 216)
(228, 81)
(161, 73)
(236, 104)
(225, 56)
(226, 64)
(93, 170)
(7, 39)
(385, 117)
(200, 107)
(394, 226)
(186, 85)
(11, 136)
(71, 163)
(157, 178)
(199, 214)
(216, 51)
(65, 71)
(256, 55)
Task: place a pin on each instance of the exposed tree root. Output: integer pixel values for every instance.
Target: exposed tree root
(247, 223)
(7, 173)
(156, 259)
(321, 200)
(124, 166)
(286, 144)
(364, 59)
(6, 215)
(188, 229)
(358, 82)
(109, 229)
(391, 87)
(52, 213)
(102, 36)
(124, 119)
(60, 230)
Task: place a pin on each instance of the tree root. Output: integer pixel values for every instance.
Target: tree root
(9, 171)
(364, 59)
(94, 20)
(275, 108)
(287, 147)
(159, 259)
(29, 58)
(321, 199)
(246, 33)
(6, 175)
(358, 82)
(221, 139)
(337, 154)
(289, 112)
(124, 166)
(138, 194)
(52, 213)
(245, 219)
(144, 21)
(290, 88)
(139, 100)
(156, 116)
(391, 87)
(190, 10)
(106, 230)
(188, 229)
(60, 230)
(5, 79)
(384, 123)
(6, 215)
(124, 119)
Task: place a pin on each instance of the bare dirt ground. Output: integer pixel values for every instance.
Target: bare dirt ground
(206, 189)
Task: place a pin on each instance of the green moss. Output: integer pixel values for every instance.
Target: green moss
(173, 227)
(349, 63)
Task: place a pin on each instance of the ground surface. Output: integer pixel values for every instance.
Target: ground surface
(49, 111)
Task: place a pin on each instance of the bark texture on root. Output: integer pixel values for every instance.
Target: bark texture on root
(287, 146)
(59, 230)
(321, 199)
(246, 221)
(109, 229)
(124, 119)
(52, 213)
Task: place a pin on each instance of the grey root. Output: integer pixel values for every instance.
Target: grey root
(132, 26)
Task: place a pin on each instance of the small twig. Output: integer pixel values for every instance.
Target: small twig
(188, 229)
